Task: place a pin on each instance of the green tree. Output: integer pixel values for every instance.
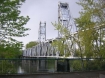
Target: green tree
(90, 35)
(91, 27)
(64, 45)
(31, 44)
(59, 45)
(11, 25)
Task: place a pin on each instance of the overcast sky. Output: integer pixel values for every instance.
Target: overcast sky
(44, 10)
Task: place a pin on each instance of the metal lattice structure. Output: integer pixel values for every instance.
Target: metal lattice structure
(45, 48)
(65, 19)
(63, 16)
(42, 32)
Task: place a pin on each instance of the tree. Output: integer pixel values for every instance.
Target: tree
(91, 27)
(90, 37)
(90, 34)
(11, 25)
(31, 44)
(65, 44)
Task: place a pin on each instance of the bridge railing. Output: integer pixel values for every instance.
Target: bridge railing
(50, 65)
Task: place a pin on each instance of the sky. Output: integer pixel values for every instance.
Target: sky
(44, 10)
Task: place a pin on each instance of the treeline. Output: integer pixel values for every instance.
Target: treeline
(89, 41)
(11, 26)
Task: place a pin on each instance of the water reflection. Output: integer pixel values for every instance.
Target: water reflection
(33, 66)
(20, 70)
(26, 66)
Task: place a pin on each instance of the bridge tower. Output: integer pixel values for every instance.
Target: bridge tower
(41, 64)
(65, 18)
(42, 32)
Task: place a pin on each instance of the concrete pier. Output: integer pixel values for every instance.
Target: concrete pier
(63, 66)
(42, 64)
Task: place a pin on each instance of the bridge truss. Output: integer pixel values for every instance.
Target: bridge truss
(45, 47)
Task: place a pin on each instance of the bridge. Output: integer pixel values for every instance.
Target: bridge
(50, 48)
(41, 50)
(67, 45)
(46, 60)
(45, 47)
(29, 68)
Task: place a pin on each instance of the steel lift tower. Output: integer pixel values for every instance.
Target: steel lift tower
(65, 18)
(42, 38)
(42, 32)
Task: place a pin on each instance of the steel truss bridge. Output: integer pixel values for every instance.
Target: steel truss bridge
(45, 47)
(41, 50)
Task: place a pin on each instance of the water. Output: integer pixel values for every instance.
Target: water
(34, 66)
(20, 70)
(29, 66)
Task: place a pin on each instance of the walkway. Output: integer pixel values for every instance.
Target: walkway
(58, 75)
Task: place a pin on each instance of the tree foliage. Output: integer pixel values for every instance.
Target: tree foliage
(11, 25)
(31, 44)
(64, 46)
(90, 37)
(91, 27)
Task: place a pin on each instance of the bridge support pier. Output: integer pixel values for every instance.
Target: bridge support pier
(42, 64)
(56, 65)
(63, 65)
